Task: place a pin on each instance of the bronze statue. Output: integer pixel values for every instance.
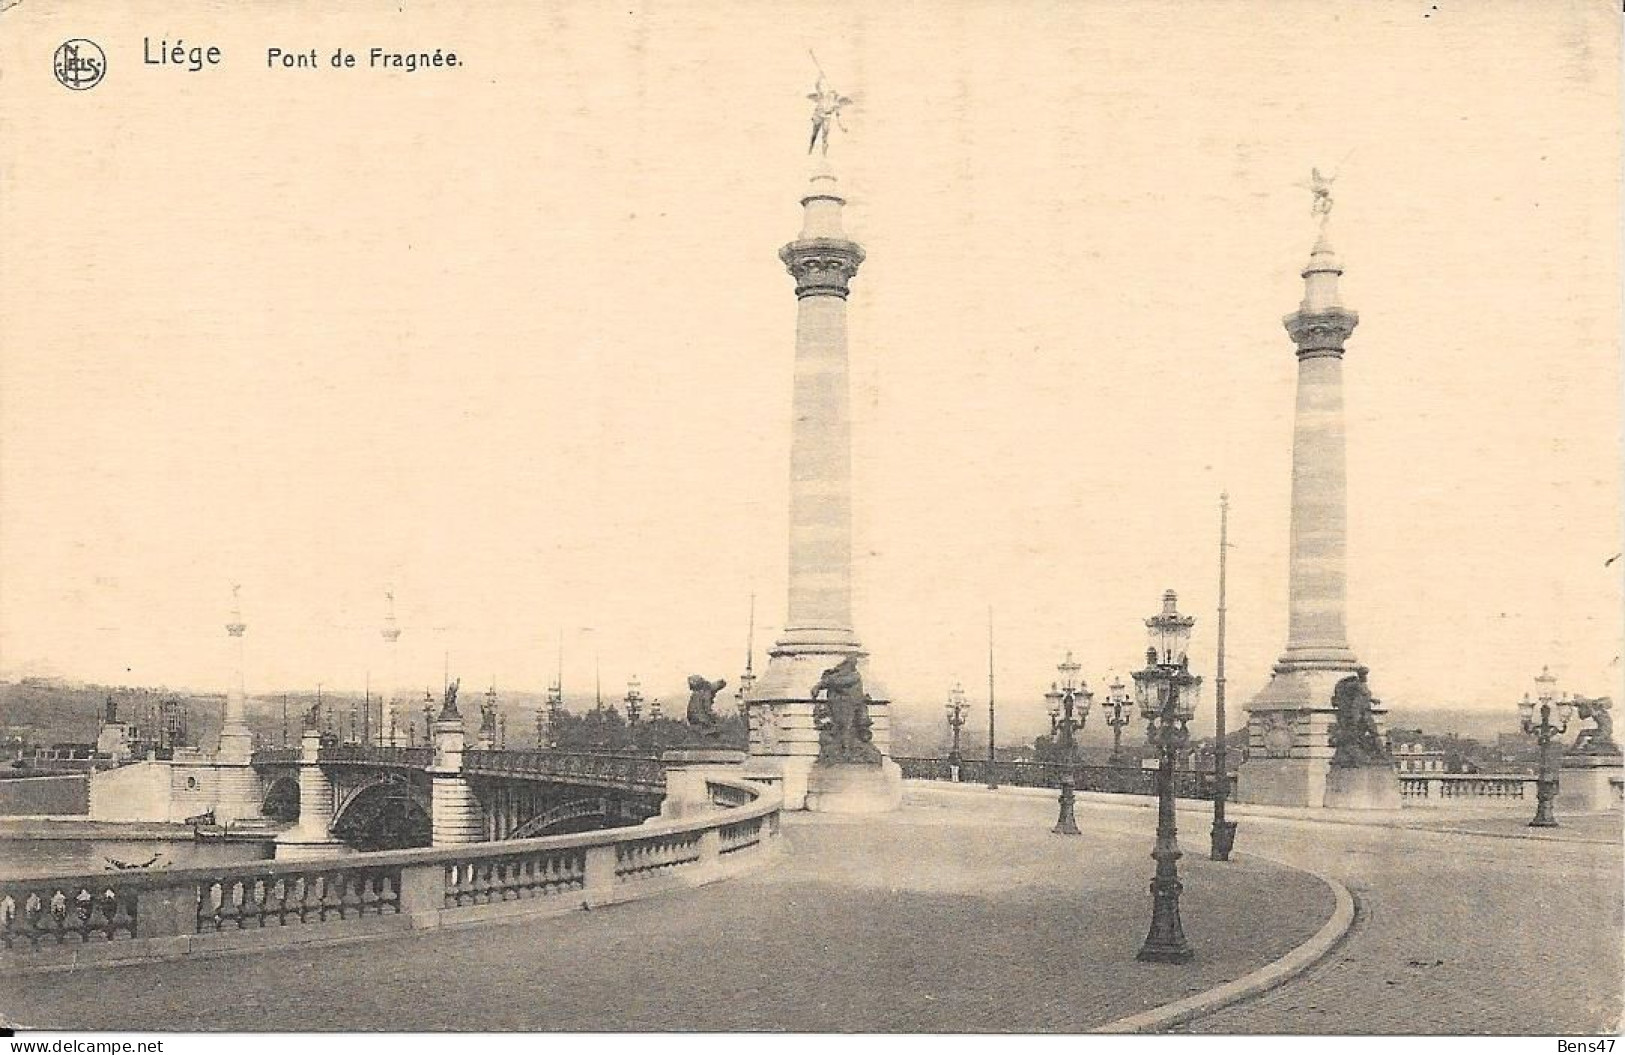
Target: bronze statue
(313, 717)
(1599, 739)
(448, 710)
(842, 717)
(702, 695)
(827, 104)
(1355, 734)
(1321, 187)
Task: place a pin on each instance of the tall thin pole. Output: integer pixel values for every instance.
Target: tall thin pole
(992, 752)
(284, 719)
(1224, 834)
(366, 713)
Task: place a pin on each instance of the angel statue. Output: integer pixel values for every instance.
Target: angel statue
(1321, 187)
(827, 104)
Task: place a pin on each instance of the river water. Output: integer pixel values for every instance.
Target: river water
(31, 858)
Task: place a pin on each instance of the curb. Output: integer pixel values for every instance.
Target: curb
(1268, 977)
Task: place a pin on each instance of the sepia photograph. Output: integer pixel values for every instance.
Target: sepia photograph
(912, 518)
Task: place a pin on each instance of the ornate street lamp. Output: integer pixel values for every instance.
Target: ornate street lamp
(957, 708)
(1069, 708)
(1117, 710)
(1167, 692)
(1545, 733)
(634, 700)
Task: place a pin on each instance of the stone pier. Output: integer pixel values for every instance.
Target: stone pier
(313, 835)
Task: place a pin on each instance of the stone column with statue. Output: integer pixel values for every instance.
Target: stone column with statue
(814, 732)
(1313, 730)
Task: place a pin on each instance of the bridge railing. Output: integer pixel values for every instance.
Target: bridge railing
(1118, 780)
(627, 772)
(142, 915)
(368, 755)
(276, 756)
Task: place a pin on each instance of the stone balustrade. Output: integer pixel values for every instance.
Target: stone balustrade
(1113, 780)
(1466, 789)
(125, 916)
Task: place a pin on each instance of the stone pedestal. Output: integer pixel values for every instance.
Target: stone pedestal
(1590, 783)
(686, 774)
(1362, 788)
(1289, 752)
(844, 787)
(784, 741)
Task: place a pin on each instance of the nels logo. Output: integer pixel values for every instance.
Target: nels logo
(79, 64)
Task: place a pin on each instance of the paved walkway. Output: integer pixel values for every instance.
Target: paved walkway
(951, 915)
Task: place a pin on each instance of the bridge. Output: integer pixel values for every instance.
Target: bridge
(973, 913)
(372, 798)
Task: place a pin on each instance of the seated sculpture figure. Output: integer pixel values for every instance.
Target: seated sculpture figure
(1599, 739)
(1355, 734)
(842, 717)
(702, 714)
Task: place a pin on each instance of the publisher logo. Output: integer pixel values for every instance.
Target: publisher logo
(79, 64)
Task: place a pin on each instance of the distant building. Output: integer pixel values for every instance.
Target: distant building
(1419, 758)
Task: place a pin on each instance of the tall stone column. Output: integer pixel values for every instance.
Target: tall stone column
(818, 632)
(237, 786)
(1290, 720)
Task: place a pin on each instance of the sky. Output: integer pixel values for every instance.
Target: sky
(512, 339)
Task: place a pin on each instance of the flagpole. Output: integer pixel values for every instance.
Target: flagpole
(992, 743)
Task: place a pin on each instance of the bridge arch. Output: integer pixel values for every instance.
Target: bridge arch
(281, 800)
(602, 811)
(388, 812)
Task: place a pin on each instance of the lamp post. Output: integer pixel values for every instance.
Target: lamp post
(634, 700)
(957, 708)
(1117, 710)
(1167, 693)
(1069, 708)
(1545, 733)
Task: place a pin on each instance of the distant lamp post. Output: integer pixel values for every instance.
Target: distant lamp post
(634, 700)
(1545, 733)
(1117, 710)
(957, 709)
(1069, 708)
(1167, 692)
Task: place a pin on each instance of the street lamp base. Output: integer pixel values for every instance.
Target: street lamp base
(1066, 826)
(1224, 840)
(1165, 953)
(1544, 822)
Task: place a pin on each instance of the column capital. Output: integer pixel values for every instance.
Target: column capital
(822, 266)
(1321, 333)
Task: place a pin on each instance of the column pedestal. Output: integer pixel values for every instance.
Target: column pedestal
(784, 741)
(1289, 752)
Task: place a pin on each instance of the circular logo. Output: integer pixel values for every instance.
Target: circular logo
(79, 64)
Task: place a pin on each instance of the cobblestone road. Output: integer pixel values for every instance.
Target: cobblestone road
(948, 916)
(1454, 933)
